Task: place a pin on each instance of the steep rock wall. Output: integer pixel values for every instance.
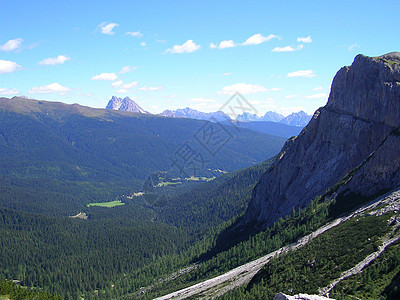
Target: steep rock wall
(360, 119)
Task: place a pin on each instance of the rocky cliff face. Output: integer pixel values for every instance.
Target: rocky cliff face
(353, 139)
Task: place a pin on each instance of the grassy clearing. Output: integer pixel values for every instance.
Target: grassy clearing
(168, 183)
(107, 204)
(194, 178)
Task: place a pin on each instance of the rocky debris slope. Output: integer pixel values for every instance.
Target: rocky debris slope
(355, 137)
(282, 296)
(217, 286)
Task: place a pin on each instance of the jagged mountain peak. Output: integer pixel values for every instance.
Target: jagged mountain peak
(246, 116)
(353, 139)
(125, 104)
(300, 118)
(272, 116)
(375, 77)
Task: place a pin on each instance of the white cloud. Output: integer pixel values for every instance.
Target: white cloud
(151, 88)
(245, 88)
(223, 44)
(317, 96)
(32, 46)
(318, 88)
(275, 76)
(206, 106)
(257, 102)
(352, 47)
(105, 76)
(202, 100)
(130, 85)
(117, 83)
(188, 47)
(127, 69)
(290, 96)
(255, 39)
(307, 39)
(135, 33)
(11, 45)
(143, 44)
(302, 73)
(8, 91)
(7, 66)
(268, 103)
(226, 44)
(258, 38)
(53, 88)
(107, 28)
(287, 48)
(227, 74)
(88, 95)
(55, 60)
(124, 88)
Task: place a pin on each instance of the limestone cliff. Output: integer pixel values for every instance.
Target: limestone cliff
(354, 138)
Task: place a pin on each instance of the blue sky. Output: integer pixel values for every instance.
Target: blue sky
(281, 55)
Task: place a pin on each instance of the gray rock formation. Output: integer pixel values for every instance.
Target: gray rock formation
(354, 138)
(125, 104)
(282, 296)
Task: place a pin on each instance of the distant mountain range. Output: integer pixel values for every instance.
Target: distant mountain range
(269, 116)
(195, 114)
(110, 144)
(299, 119)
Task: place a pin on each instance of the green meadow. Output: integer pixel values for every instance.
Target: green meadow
(107, 204)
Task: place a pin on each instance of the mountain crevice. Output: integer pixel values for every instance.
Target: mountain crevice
(343, 112)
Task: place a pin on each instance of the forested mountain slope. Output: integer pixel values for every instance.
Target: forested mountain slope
(53, 147)
(345, 257)
(347, 156)
(56, 159)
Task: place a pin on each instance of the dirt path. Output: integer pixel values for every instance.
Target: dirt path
(241, 275)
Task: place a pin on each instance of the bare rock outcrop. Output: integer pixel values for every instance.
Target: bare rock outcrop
(282, 296)
(356, 129)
